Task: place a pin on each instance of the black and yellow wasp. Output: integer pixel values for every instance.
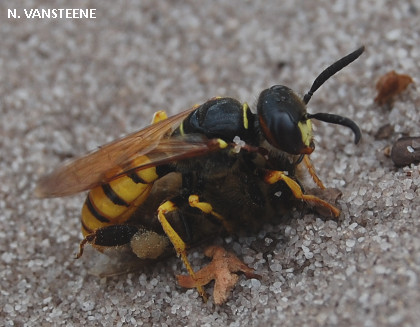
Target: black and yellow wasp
(226, 169)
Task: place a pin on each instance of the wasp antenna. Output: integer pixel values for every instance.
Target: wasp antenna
(331, 70)
(339, 120)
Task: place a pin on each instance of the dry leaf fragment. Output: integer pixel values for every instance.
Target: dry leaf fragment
(391, 84)
(222, 270)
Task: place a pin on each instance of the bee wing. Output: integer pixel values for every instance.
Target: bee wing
(116, 158)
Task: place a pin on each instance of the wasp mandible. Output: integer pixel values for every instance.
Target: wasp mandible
(231, 169)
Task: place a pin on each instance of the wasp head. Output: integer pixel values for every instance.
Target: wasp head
(283, 120)
(282, 114)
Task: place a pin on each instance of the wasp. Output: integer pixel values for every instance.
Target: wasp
(220, 167)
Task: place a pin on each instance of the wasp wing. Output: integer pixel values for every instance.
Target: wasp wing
(167, 151)
(116, 158)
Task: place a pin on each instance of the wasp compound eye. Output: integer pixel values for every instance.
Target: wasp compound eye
(282, 117)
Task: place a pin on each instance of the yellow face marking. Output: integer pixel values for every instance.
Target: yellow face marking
(306, 130)
(245, 109)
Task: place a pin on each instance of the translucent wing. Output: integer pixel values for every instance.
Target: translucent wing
(118, 158)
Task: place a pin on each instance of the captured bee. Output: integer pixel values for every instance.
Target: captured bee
(223, 168)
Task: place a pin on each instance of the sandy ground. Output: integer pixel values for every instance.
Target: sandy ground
(70, 85)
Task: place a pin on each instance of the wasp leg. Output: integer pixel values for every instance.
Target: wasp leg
(312, 172)
(273, 176)
(158, 116)
(178, 243)
(207, 208)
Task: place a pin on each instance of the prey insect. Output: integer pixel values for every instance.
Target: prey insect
(227, 168)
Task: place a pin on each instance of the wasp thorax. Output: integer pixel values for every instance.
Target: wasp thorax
(283, 120)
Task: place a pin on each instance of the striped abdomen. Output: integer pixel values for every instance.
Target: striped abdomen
(115, 202)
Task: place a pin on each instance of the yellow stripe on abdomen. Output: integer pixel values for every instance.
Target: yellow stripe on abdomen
(129, 187)
(104, 205)
(115, 202)
(90, 222)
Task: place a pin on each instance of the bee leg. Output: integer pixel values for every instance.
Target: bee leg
(207, 208)
(312, 172)
(178, 243)
(108, 236)
(273, 176)
(158, 116)
(146, 244)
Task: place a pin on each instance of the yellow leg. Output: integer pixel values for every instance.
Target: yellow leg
(273, 176)
(158, 116)
(178, 243)
(312, 172)
(206, 207)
